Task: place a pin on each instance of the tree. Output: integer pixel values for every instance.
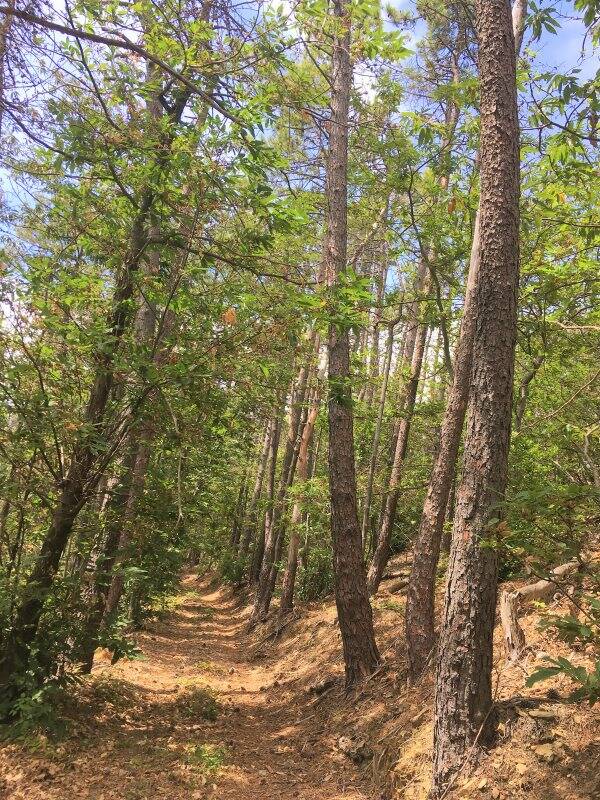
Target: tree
(420, 610)
(354, 610)
(464, 716)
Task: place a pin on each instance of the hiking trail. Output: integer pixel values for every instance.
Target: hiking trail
(146, 735)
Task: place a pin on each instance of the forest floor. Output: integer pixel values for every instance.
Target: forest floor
(194, 718)
(211, 713)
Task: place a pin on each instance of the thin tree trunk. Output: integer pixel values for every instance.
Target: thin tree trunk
(524, 391)
(75, 488)
(382, 550)
(81, 480)
(302, 472)
(354, 610)
(289, 578)
(251, 515)
(275, 535)
(238, 514)
(138, 481)
(267, 530)
(464, 719)
(366, 515)
(420, 599)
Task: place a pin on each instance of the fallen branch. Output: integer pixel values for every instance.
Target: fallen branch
(397, 586)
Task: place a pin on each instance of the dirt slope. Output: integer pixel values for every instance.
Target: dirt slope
(213, 713)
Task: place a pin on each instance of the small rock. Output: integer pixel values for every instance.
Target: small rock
(495, 793)
(231, 670)
(322, 686)
(545, 752)
(521, 769)
(542, 713)
(357, 750)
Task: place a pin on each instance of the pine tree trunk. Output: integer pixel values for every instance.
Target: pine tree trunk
(420, 600)
(354, 610)
(419, 618)
(464, 719)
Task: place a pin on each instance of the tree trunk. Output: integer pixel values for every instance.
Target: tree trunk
(126, 527)
(275, 535)
(366, 510)
(521, 404)
(354, 610)
(238, 514)
(76, 486)
(302, 473)
(106, 559)
(463, 701)
(267, 530)
(251, 516)
(420, 601)
(382, 551)
(80, 480)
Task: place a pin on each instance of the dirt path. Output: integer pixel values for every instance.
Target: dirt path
(195, 719)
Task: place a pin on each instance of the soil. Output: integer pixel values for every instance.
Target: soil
(210, 712)
(138, 729)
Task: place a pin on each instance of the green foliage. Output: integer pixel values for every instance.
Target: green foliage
(582, 631)
(208, 758)
(316, 578)
(588, 681)
(198, 703)
(229, 200)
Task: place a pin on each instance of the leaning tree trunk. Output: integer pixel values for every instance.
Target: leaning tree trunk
(354, 610)
(464, 717)
(420, 600)
(384, 538)
(84, 473)
(302, 473)
(78, 483)
(366, 511)
(266, 531)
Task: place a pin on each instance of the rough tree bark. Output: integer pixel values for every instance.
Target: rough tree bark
(420, 601)
(354, 610)
(464, 719)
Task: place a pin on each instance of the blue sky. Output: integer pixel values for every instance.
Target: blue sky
(561, 51)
